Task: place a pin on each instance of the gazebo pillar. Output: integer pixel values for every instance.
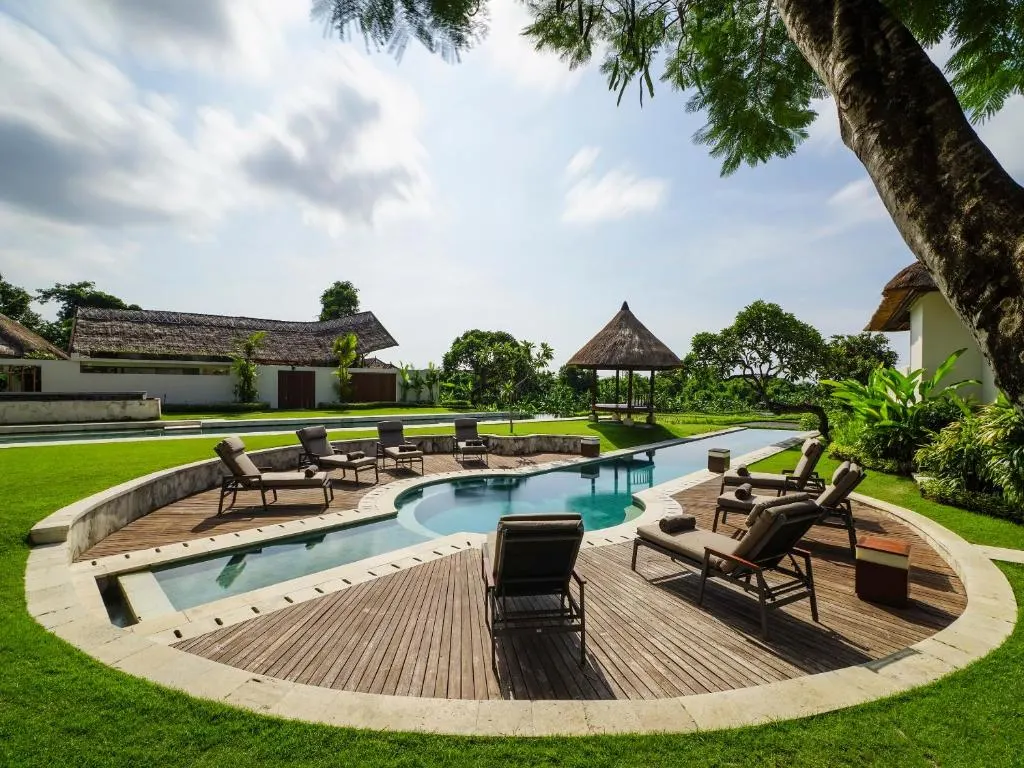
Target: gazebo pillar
(629, 399)
(618, 416)
(650, 401)
(593, 395)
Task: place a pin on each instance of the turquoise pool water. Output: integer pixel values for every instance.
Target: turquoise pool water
(601, 491)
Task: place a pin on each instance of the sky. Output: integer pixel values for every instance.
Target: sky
(229, 157)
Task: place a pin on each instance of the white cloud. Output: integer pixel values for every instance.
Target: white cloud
(509, 52)
(84, 144)
(857, 202)
(582, 161)
(615, 195)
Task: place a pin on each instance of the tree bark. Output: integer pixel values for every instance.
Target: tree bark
(957, 209)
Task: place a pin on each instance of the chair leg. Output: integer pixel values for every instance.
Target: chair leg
(762, 588)
(810, 588)
(636, 546)
(263, 496)
(704, 570)
(714, 523)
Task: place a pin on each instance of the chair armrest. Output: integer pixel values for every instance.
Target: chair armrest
(266, 469)
(731, 558)
(581, 580)
(487, 569)
(788, 471)
(307, 458)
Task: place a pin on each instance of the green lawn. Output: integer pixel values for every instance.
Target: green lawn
(397, 410)
(903, 491)
(58, 707)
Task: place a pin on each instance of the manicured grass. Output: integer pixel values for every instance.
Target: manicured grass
(398, 410)
(612, 435)
(978, 529)
(59, 707)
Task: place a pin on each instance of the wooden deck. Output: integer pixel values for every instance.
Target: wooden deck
(196, 516)
(421, 632)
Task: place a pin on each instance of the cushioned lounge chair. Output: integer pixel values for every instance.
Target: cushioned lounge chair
(752, 562)
(834, 501)
(468, 441)
(391, 444)
(530, 557)
(800, 478)
(246, 476)
(317, 449)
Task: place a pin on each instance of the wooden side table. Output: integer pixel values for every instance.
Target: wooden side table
(883, 571)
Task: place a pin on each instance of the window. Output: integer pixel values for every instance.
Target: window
(164, 370)
(21, 378)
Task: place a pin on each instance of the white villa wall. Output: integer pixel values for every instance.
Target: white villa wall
(935, 333)
(66, 376)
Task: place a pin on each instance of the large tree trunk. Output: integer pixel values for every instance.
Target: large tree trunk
(960, 213)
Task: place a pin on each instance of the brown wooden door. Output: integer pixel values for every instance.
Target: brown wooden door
(374, 387)
(296, 389)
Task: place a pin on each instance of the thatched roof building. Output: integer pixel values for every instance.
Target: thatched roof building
(893, 314)
(625, 344)
(155, 335)
(18, 341)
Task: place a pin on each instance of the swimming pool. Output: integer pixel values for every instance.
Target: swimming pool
(601, 491)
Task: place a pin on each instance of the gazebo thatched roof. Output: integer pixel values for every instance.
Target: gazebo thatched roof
(893, 314)
(18, 341)
(148, 334)
(624, 344)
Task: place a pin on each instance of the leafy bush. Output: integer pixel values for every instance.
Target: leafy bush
(561, 400)
(898, 411)
(958, 457)
(984, 503)
(1002, 430)
(213, 407)
(853, 452)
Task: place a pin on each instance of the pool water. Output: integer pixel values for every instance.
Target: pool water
(601, 491)
(202, 581)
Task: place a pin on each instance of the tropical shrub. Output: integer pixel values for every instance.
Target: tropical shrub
(957, 456)
(990, 504)
(345, 352)
(898, 411)
(1002, 432)
(244, 368)
(562, 400)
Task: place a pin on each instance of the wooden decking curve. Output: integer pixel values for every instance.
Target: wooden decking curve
(421, 631)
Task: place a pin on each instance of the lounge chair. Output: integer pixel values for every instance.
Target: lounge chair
(834, 502)
(529, 557)
(800, 478)
(317, 449)
(391, 444)
(768, 547)
(468, 441)
(246, 476)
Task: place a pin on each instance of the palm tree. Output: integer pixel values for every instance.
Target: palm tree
(344, 348)
(416, 384)
(432, 378)
(404, 378)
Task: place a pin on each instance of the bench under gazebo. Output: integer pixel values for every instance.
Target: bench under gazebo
(625, 345)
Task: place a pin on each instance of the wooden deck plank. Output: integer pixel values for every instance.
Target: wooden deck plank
(421, 630)
(195, 517)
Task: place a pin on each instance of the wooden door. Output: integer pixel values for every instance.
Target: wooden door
(374, 387)
(296, 389)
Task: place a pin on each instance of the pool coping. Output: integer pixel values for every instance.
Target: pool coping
(63, 602)
(165, 624)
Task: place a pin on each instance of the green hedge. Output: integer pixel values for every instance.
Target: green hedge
(850, 453)
(214, 407)
(983, 503)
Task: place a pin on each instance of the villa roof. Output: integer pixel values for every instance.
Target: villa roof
(893, 314)
(376, 362)
(18, 341)
(624, 344)
(150, 334)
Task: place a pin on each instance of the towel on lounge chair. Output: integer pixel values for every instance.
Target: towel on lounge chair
(743, 492)
(311, 470)
(677, 523)
(742, 470)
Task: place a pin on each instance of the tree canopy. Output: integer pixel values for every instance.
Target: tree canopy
(15, 302)
(496, 360)
(855, 356)
(753, 68)
(340, 300)
(69, 297)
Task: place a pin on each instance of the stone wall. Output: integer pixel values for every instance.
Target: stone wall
(68, 411)
(91, 520)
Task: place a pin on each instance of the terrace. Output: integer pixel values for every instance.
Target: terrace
(411, 629)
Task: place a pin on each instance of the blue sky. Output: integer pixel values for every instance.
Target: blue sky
(224, 156)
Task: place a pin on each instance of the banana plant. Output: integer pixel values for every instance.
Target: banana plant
(432, 379)
(405, 377)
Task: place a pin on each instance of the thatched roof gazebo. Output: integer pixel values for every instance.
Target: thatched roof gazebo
(625, 344)
(18, 341)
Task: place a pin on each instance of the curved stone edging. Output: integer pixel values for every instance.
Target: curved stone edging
(68, 606)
